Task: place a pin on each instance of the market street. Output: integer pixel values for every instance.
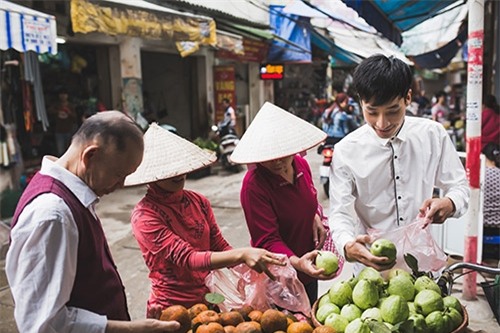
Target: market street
(222, 189)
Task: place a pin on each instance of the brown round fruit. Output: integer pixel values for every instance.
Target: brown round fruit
(197, 309)
(244, 311)
(299, 327)
(210, 328)
(229, 329)
(249, 327)
(255, 315)
(272, 321)
(179, 314)
(232, 318)
(324, 329)
(207, 316)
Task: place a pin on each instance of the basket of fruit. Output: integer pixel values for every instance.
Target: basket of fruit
(403, 302)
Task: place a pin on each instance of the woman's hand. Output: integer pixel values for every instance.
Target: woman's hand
(258, 259)
(154, 311)
(319, 232)
(305, 264)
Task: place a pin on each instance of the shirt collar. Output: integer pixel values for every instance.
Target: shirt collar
(81, 190)
(400, 135)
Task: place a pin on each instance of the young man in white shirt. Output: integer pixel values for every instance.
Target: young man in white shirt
(384, 173)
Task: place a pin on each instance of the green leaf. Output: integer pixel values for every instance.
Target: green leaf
(214, 298)
(412, 262)
(406, 326)
(377, 327)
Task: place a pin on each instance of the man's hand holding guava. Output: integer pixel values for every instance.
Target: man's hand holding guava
(357, 251)
(437, 210)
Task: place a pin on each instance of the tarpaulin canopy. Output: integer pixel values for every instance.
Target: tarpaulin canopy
(391, 18)
(25, 29)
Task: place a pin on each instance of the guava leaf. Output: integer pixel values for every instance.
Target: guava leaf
(377, 327)
(412, 262)
(214, 298)
(407, 326)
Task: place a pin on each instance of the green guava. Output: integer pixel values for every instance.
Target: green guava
(325, 310)
(357, 326)
(428, 301)
(340, 293)
(350, 312)
(394, 309)
(328, 261)
(337, 322)
(371, 274)
(365, 294)
(425, 282)
(372, 313)
(384, 248)
(403, 286)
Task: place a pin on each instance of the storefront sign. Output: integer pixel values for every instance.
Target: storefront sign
(272, 72)
(224, 87)
(253, 51)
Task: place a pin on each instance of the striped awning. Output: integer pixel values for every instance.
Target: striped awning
(25, 29)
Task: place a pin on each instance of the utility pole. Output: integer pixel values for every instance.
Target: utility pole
(475, 46)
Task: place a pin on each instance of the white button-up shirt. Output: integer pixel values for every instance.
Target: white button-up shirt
(381, 183)
(42, 259)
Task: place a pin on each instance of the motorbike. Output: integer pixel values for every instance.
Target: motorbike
(324, 170)
(227, 141)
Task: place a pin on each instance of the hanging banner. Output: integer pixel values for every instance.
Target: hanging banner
(224, 87)
(141, 19)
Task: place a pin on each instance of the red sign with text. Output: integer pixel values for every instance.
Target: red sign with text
(224, 87)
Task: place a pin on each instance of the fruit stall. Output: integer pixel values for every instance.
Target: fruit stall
(397, 300)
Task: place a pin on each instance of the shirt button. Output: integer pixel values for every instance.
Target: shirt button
(399, 197)
(397, 177)
(401, 219)
(395, 157)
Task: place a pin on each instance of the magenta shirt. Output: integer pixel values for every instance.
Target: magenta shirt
(280, 215)
(176, 233)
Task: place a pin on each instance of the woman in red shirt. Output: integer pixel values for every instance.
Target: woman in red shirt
(176, 228)
(278, 195)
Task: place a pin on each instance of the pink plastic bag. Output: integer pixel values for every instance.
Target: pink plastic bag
(418, 241)
(241, 285)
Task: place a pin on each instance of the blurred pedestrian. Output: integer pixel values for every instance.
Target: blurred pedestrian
(439, 110)
(59, 266)
(338, 121)
(490, 121)
(491, 204)
(64, 119)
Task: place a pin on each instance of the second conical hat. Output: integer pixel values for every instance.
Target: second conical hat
(167, 155)
(275, 133)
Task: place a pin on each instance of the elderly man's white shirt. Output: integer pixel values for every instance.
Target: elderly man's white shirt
(382, 183)
(42, 259)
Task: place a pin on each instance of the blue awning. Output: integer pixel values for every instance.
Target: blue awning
(25, 29)
(393, 17)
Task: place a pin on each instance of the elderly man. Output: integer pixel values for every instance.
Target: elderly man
(59, 266)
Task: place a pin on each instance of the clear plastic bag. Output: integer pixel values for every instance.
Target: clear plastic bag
(418, 241)
(241, 285)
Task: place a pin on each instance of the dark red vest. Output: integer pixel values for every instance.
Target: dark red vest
(97, 286)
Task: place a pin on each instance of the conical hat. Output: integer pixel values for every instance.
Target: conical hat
(167, 155)
(275, 133)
